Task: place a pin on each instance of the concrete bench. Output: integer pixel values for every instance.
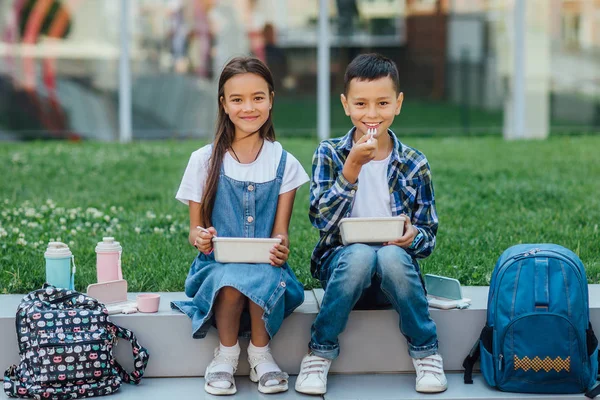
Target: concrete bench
(371, 343)
(372, 347)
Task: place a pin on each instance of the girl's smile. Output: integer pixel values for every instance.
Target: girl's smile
(247, 101)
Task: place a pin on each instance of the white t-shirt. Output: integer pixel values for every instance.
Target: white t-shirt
(264, 169)
(372, 198)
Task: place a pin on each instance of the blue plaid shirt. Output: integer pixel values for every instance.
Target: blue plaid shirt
(332, 196)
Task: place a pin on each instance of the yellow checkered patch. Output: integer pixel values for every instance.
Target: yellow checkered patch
(547, 364)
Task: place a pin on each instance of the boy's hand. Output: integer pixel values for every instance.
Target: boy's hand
(203, 241)
(280, 252)
(361, 153)
(410, 232)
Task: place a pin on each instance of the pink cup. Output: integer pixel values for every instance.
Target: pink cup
(108, 260)
(148, 302)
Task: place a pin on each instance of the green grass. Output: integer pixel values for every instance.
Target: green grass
(298, 115)
(490, 194)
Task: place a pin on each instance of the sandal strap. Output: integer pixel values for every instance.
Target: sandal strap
(255, 359)
(221, 358)
(281, 377)
(219, 377)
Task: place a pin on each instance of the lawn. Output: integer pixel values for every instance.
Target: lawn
(297, 116)
(490, 194)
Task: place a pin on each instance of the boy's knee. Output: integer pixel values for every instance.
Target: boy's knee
(360, 260)
(394, 261)
(392, 254)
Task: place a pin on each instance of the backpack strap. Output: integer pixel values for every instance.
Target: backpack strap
(11, 382)
(541, 292)
(140, 358)
(592, 344)
(595, 391)
(469, 363)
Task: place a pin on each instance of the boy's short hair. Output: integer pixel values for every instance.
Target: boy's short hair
(368, 67)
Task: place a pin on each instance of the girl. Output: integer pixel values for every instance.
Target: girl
(242, 185)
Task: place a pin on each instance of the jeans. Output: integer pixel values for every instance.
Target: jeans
(375, 276)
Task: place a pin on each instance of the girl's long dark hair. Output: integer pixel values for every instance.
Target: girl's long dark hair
(225, 130)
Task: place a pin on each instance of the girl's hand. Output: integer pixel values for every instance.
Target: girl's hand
(280, 252)
(203, 241)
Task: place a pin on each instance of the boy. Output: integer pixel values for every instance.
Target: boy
(353, 176)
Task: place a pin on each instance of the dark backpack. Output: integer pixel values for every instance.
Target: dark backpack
(65, 343)
(538, 337)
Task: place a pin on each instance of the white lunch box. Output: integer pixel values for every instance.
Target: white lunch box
(243, 250)
(372, 229)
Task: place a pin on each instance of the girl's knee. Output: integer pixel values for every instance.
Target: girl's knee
(230, 295)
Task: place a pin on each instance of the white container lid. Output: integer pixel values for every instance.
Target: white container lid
(57, 250)
(108, 245)
(245, 240)
(373, 219)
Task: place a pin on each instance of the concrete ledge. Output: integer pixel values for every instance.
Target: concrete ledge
(372, 342)
(167, 335)
(340, 387)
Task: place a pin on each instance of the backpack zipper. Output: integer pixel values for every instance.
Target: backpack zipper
(64, 298)
(511, 323)
(98, 341)
(526, 254)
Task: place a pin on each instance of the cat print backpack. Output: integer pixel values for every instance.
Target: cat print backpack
(65, 344)
(538, 337)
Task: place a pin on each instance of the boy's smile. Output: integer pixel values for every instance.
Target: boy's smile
(372, 105)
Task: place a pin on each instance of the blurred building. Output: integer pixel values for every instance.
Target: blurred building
(59, 62)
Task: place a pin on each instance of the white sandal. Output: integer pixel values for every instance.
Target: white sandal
(279, 376)
(220, 376)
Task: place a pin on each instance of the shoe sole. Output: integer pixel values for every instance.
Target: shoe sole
(219, 391)
(439, 389)
(311, 390)
(268, 389)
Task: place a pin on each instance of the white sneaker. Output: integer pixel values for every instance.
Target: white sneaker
(312, 378)
(430, 374)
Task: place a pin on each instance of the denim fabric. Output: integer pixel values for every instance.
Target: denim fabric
(276, 290)
(365, 276)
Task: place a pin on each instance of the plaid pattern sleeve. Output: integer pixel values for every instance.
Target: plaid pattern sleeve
(423, 215)
(332, 196)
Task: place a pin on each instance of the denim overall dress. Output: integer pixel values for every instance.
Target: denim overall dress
(242, 209)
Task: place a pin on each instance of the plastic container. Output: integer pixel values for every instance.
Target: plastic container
(243, 250)
(371, 230)
(148, 302)
(58, 266)
(108, 260)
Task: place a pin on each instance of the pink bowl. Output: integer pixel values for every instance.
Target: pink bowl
(148, 302)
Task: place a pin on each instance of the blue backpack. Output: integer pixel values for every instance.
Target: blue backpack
(538, 337)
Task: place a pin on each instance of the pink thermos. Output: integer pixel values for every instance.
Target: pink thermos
(108, 260)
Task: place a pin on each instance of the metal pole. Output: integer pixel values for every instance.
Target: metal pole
(323, 72)
(125, 130)
(281, 16)
(465, 87)
(519, 70)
